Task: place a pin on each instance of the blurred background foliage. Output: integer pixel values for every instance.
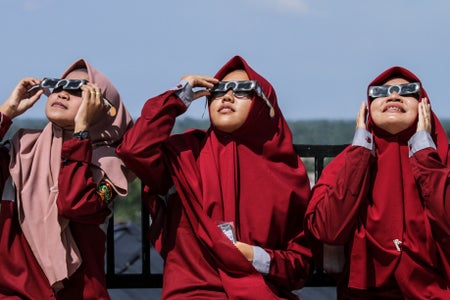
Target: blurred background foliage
(318, 132)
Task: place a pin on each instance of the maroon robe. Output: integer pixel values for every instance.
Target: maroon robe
(368, 202)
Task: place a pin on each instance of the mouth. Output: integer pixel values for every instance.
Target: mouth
(59, 105)
(225, 109)
(394, 109)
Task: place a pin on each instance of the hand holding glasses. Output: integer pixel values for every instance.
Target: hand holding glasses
(50, 84)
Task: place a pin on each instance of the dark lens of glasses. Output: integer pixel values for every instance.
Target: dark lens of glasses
(394, 89)
(410, 88)
(61, 84)
(231, 85)
(74, 84)
(49, 82)
(246, 85)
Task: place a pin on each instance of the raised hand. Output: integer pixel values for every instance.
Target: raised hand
(206, 82)
(22, 97)
(424, 115)
(91, 109)
(361, 116)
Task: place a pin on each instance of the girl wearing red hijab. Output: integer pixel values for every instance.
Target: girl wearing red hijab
(385, 198)
(57, 186)
(229, 225)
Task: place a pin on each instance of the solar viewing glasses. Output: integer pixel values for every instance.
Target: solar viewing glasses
(241, 89)
(386, 90)
(65, 84)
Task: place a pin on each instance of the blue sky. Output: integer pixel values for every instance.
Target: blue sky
(318, 54)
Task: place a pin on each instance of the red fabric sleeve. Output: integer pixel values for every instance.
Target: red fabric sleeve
(290, 268)
(5, 124)
(433, 178)
(337, 197)
(141, 146)
(78, 200)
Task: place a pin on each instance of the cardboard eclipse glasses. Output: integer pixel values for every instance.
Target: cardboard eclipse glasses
(377, 91)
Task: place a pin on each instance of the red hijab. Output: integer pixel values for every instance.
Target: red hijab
(252, 177)
(394, 209)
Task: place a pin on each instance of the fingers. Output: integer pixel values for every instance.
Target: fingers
(200, 81)
(201, 93)
(93, 95)
(361, 116)
(26, 87)
(246, 250)
(424, 115)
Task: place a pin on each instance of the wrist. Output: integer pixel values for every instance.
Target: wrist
(7, 111)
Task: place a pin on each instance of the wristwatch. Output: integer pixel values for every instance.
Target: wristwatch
(82, 135)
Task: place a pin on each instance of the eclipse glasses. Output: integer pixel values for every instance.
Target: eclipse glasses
(401, 89)
(240, 90)
(65, 84)
(48, 84)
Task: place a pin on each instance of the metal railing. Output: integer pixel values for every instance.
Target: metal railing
(147, 279)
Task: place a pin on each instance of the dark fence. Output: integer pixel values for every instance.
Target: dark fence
(146, 279)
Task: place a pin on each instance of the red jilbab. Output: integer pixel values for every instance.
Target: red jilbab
(251, 177)
(366, 201)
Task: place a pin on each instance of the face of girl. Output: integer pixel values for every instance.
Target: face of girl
(394, 113)
(62, 105)
(227, 112)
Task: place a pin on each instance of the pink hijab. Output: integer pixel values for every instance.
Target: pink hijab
(35, 165)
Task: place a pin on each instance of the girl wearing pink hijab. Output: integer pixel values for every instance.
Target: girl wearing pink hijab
(58, 185)
(385, 198)
(229, 225)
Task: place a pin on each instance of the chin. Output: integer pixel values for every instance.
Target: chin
(61, 124)
(227, 129)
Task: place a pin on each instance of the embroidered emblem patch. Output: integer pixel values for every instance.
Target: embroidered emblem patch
(104, 190)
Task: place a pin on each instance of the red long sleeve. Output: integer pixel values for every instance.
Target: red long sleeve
(77, 198)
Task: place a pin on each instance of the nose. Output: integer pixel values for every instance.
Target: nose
(229, 96)
(62, 94)
(394, 97)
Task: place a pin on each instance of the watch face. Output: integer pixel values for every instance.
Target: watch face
(82, 135)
